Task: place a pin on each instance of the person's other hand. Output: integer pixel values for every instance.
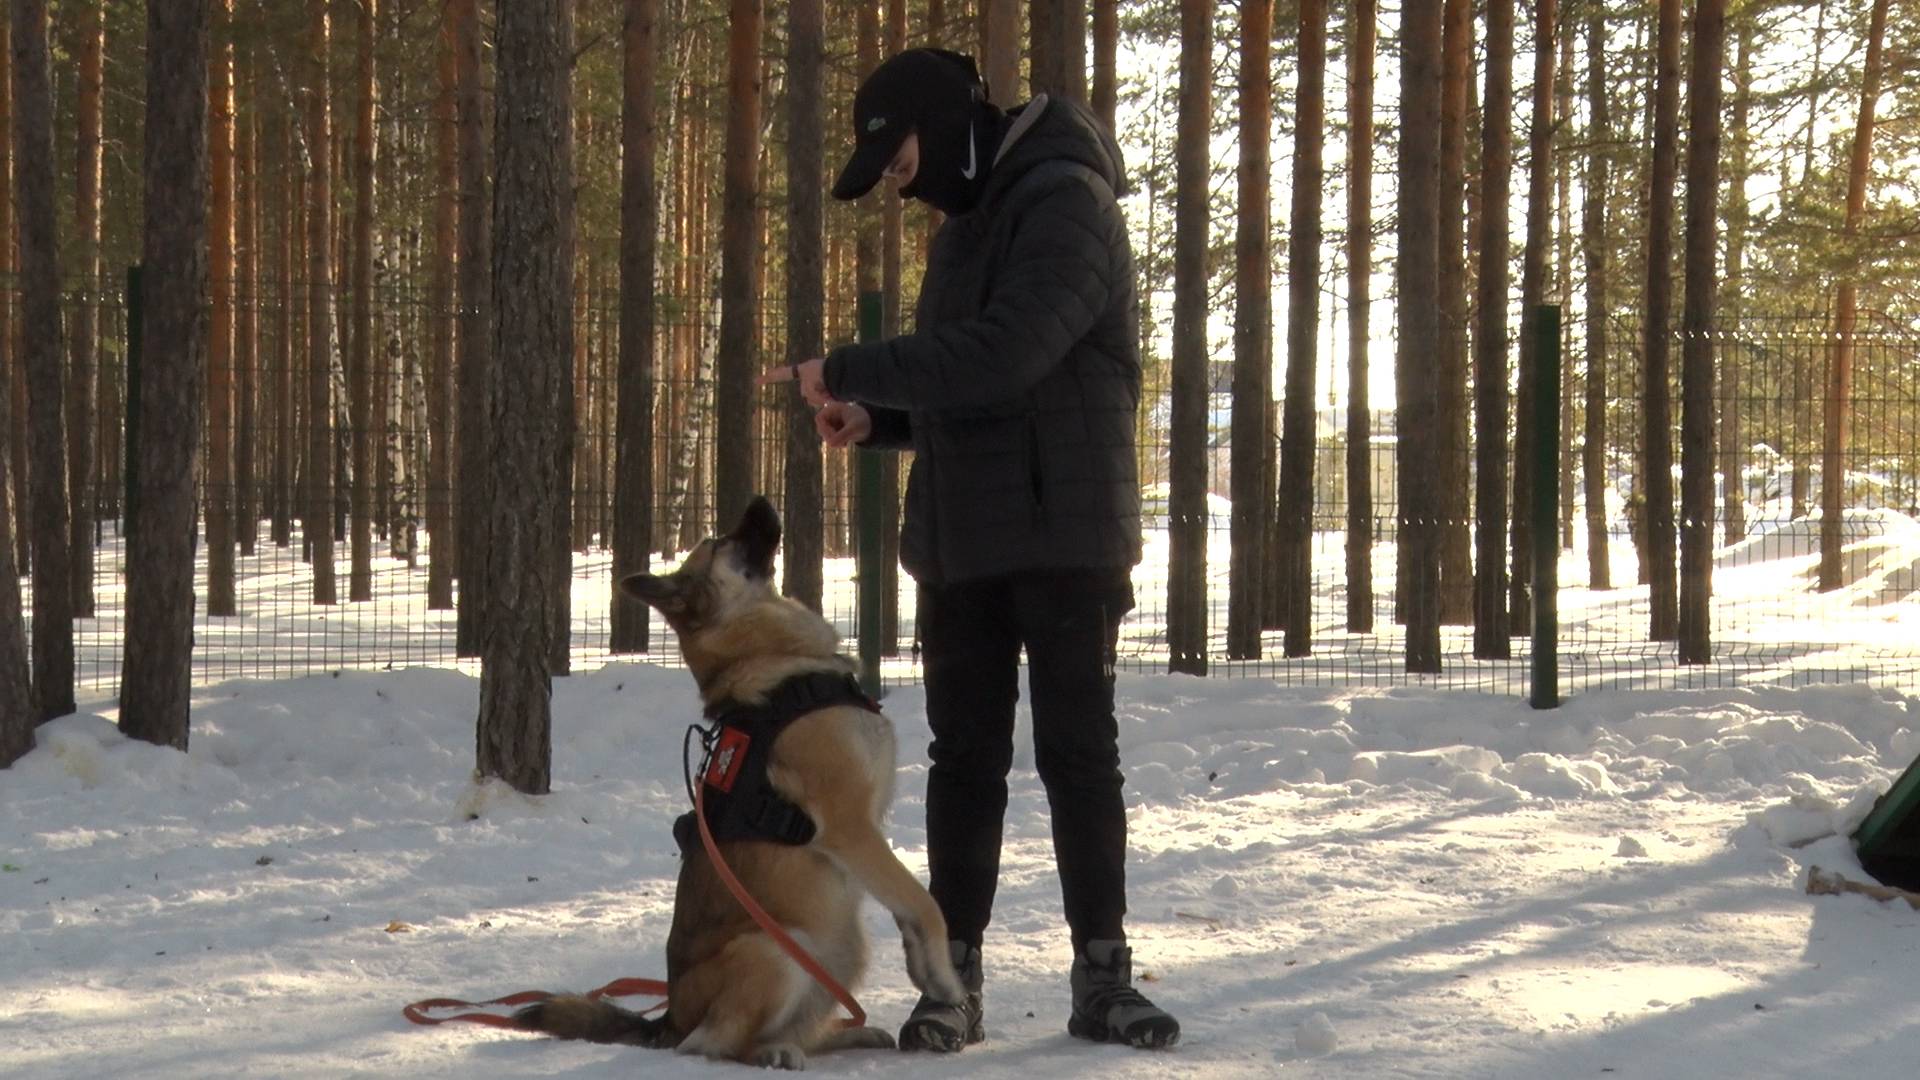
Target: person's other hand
(810, 374)
(843, 423)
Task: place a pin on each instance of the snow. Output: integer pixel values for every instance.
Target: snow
(1323, 882)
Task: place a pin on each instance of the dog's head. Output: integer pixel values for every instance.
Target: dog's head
(721, 577)
(739, 636)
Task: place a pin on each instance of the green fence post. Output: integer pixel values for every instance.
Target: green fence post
(131, 451)
(868, 544)
(1543, 322)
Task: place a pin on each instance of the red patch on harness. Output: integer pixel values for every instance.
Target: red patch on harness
(729, 754)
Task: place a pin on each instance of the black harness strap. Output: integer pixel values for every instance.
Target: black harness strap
(740, 801)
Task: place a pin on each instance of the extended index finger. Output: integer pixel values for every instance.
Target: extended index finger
(783, 373)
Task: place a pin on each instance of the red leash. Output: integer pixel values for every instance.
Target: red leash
(416, 1012)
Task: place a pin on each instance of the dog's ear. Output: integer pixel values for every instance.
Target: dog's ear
(758, 534)
(660, 592)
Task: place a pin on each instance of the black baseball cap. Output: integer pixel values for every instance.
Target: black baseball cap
(903, 94)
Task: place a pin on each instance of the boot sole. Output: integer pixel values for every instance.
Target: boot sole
(1081, 1027)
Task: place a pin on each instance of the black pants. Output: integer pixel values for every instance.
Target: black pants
(971, 635)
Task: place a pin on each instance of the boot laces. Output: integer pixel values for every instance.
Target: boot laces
(1105, 999)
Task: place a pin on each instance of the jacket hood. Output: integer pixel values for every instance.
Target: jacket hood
(1053, 129)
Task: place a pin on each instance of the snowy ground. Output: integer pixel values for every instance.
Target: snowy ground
(1325, 883)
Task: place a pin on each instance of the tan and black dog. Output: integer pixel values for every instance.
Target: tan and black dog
(732, 992)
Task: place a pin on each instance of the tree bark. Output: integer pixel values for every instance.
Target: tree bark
(218, 482)
(1594, 239)
(1697, 359)
(1365, 33)
(1533, 292)
(1059, 47)
(804, 533)
(1490, 368)
(1187, 469)
(157, 669)
(1000, 50)
(1839, 419)
(1298, 422)
(17, 720)
(1418, 273)
(474, 330)
(1106, 48)
(533, 348)
(82, 378)
(360, 352)
(40, 352)
(16, 369)
(1732, 441)
(246, 322)
(443, 539)
(1657, 416)
(639, 228)
(1451, 458)
(739, 267)
(1253, 506)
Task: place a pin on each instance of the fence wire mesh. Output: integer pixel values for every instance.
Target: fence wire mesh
(1771, 623)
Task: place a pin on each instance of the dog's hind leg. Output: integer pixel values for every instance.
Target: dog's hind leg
(764, 1009)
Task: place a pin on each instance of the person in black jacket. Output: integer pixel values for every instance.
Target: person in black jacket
(1018, 392)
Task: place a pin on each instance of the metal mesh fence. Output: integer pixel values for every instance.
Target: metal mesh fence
(1771, 624)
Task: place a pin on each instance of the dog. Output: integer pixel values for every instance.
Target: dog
(732, 992)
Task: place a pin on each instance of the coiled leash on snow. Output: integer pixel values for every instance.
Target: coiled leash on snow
(729, 755)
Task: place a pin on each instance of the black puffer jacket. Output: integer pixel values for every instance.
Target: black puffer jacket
(1019, 387)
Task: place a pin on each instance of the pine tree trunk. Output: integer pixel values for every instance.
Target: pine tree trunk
(40, 352)
(891, 306)
(318, 524)
(474, 330)
(1252, 340)
(1490, 368)
(360, 336)
(639, 229)
(1000, 51)
(1839, 418)
(1697, 359)
(157, 670)
(15, 370)
(1418, 273)
(1593, 230)
(803, 533)
(1533, 292)
(1058, 34)
(739, 266)
(1563, 276)
(443, 552)
(1656, 479)
(246, 326)
(1365, 34)
(1451, 458)
(526, 430)
(17, 720)
(1106, 48)
(82, 376)
(1732, 440)
(218, 482)
(285, 431)
(1187, 624)
(1298, 435)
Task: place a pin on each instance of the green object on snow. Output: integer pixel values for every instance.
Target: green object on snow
(1888, 841)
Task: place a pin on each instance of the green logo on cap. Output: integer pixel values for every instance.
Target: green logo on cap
(876, 123)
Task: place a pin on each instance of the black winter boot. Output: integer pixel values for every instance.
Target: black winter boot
(1106, 1007)
(944, 1028)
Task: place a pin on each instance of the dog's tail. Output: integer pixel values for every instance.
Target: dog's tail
(576, 1016)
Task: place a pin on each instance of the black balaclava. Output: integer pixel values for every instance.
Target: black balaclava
(957, 147)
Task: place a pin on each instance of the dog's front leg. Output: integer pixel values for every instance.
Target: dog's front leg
(861, 848)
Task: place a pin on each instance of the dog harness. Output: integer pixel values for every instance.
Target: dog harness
(740, 801)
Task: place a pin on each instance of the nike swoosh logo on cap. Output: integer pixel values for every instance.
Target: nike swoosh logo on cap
(973, 164)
